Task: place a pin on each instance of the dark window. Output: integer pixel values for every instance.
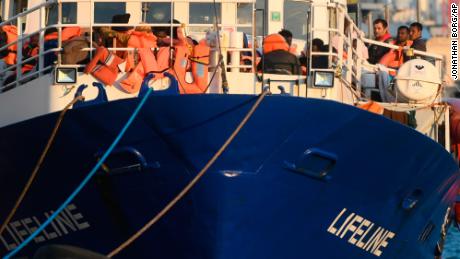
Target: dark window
(244, 13)
(104, 11)
(295, 19)
(69, 14)
(204, 13)
(156, 12)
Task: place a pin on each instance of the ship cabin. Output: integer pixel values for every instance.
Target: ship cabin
(223, 42)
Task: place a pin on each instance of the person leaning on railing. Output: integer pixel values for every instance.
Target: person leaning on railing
(395, 57)
(381, 34)
(3, 42)
(30, 50)
(9, 34)
(417, 42)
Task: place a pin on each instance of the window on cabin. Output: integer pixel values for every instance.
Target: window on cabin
(244, 17)
(296, 19)
(69, 14)
(204, 13)
(104, 11)
(19, 6)
(156, 12)
(244, 13)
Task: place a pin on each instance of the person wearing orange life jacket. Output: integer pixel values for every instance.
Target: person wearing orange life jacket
(395, 58)
(117, 36)
(288, 36)
(11, 34)
(30, 50)
(246, 56)
(51, 41)
(381, 34)
(277, 59)
(67, 33)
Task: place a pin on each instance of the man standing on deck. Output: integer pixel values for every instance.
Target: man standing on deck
(381, 34)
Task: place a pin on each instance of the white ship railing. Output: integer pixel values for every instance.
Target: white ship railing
(348, 70)
(41, 10)
(20, 41)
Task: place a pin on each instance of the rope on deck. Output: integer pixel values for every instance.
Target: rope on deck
(39, 163)
(189, 186)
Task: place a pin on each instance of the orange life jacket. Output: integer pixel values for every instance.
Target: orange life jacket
(142, 39)
(12, 35)
(66, 34)
(138, 40)
(163, 57)
(394, 58)
(70, 32)
(199, 68)
(148, 63)
(133, 82)
(293, 48)
(51, 36)
(372, 107)
(275, 42)
(104, 66)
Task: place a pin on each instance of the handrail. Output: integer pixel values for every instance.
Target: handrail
(26, 36)
(391, 46)
(40, 8)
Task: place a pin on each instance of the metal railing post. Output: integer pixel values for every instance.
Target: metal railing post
(19, 51)
(41, 40)
(447, 127)
(91, 19)
(59, 7)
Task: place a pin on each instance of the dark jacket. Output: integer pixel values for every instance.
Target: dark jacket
(377, 52)
(280, 62)
(3, 42)
(418, 44)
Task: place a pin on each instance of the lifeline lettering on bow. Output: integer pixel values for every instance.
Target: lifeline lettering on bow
(67, 222)
(360, 232)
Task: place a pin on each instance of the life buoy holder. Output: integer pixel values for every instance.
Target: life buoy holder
(100, 98)
(173, 88)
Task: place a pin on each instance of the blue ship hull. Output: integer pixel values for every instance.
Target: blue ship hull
(304, 178)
